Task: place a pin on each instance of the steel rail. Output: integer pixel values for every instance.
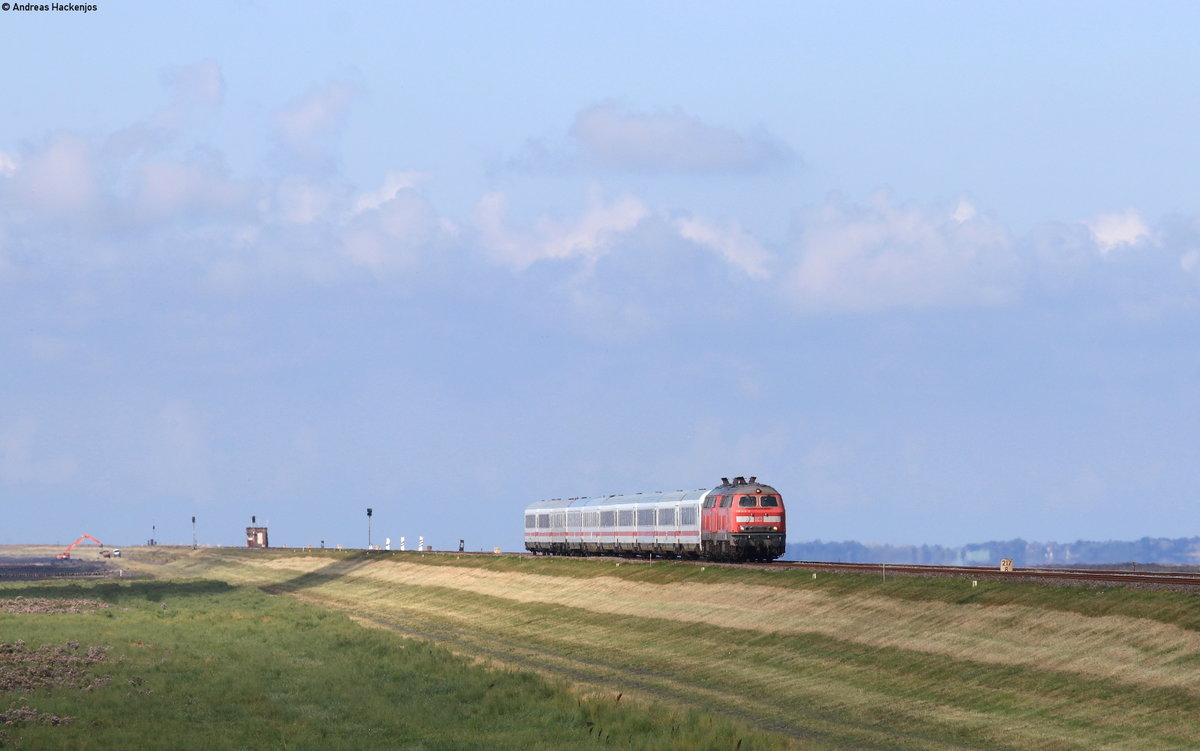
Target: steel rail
(1123, 576)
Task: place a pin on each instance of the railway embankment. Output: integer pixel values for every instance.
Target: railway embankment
(836, 660)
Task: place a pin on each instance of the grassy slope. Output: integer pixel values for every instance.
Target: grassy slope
(202, 665)
(843, 661)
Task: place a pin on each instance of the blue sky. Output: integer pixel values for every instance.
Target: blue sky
(931, 269)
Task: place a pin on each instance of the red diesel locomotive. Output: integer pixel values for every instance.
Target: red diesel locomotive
(741, 520)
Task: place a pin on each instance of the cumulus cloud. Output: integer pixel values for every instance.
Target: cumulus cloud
(197, 186)
(308, 123)
(302, 200)
(147, 193)
(587, 236)
(1119, 229)
(392, 234)
(731, 242)
(609, 137)
(1190, 262)
(883, 255)
(670, 141)
(58, 178)
(394, 183)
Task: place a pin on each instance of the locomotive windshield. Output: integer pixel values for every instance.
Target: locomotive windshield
(751, 501)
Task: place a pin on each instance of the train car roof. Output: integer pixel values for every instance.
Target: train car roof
(738, 486)
(619, 500)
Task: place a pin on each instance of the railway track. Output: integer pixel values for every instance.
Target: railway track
(1189, 580)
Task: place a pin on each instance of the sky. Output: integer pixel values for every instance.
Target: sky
(930, 269)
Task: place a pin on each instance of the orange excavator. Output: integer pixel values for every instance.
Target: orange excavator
(67, 553)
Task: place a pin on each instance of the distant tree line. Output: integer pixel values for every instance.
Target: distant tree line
(1160, 550)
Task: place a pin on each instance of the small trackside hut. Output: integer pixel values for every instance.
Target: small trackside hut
(735, 521)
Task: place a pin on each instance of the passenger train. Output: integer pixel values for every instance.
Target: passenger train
(742, 520)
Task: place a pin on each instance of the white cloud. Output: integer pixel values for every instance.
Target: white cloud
(587, 236)
(964, 211)
(734, 244)
(1190, 262)
(392, 235)
(299, 200)
(171, 188)
(8, 164)
(309, 121)
(393, 183)
(882, 255)
(610, 137)
(59, 178)
(1119, 229)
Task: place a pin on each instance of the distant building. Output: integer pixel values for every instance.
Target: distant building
(256, 537)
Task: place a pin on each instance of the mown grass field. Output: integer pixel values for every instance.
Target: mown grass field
(200, 664)
(843, 661)
(840, 661)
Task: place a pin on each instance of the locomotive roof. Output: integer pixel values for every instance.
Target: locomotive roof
(756, 488)
(655, 497)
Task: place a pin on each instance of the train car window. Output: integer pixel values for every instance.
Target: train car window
(626, 518)
(769, 501)
(530, 521)
(608, 518)
(543, 521)
(726, 500)
(645, 517)
(687, 516)
(666, 517)
(574, 518)
(746, 501)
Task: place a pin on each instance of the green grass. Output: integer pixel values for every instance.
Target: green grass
(823, 690)
(832, 692)
(911, 663)
(205, 665)
(1097, 599)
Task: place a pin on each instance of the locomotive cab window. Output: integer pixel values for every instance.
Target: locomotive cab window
(769, 501)
(711, 501)
(747, 501)
(726, 500)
